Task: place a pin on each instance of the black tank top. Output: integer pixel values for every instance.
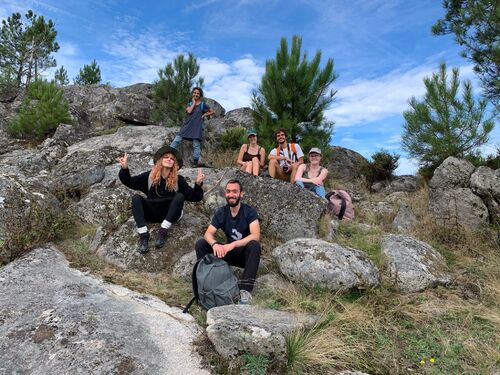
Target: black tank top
(249, 157)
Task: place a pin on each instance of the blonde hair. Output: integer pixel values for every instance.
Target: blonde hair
(172, 176)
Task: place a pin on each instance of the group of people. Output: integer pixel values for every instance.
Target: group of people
(166, 191)
(286, 162)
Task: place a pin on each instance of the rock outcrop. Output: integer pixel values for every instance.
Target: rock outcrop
(413, 265)
(345, 164)
(319, 263)
(63, 322)
(451, 199)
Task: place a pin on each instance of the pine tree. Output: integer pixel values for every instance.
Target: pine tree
(26, 49)
(172, 90)
(41, 111)
(476, 25)
(294, 94)
(442, 125)
(88, 75)
(61, 76)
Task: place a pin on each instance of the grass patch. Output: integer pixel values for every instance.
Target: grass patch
(367, 240)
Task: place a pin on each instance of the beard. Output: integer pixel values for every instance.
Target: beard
(235, 203)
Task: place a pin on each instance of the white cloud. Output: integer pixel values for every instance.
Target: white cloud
(366, 100)
(231, 84)
(406, 166)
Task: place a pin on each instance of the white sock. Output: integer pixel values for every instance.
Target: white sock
(142, 230)
(166, 224)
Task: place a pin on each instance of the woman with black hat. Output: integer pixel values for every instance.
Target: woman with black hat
(165, 190)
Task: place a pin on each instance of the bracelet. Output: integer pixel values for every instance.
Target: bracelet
(215, 243)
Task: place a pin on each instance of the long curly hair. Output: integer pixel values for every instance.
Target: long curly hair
(172, 177)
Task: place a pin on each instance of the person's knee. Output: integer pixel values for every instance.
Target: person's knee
(179, 198)
(200, 247)
(273, 163)
(254, 246)
(136, 198)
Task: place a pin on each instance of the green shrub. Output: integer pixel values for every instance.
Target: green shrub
(492, 161)
(42, 110)
(233, 138)
(381, 168)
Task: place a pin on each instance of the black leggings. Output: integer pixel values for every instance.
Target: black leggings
(156, 210)
(247, 257)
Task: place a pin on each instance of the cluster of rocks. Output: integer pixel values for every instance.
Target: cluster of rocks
(79, 163)
(460, 194)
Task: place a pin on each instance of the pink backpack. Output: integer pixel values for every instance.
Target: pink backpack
(340, 204)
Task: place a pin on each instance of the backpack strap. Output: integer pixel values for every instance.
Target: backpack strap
(201, 106)
(194, 283)
(343, 205)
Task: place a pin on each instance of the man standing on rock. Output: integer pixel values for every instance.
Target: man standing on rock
(192, 128)
(285, 159)
(240, 224)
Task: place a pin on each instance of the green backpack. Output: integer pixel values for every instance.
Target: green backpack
(214, 283)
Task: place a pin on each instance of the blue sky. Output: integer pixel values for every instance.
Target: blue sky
(382, 49)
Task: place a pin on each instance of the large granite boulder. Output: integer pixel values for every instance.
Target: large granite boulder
(319, 263)
(459, 206)
(452, 173)
(344, 164)
(286, 211)
(239, 329)
(64, 322)
(102, 107)
(27, 212)
(413, 265)
(120, 246)
(485, 182)
(451, 200)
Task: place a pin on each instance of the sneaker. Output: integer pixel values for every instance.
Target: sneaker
(161, 238)
(245, 297)
(143, 246)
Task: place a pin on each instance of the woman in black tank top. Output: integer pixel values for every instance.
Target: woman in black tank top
(252, 156)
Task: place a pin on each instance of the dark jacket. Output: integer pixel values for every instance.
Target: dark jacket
(140, 182)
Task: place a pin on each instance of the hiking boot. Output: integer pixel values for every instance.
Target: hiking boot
(245, 297)
(161, 237)
(143, 246)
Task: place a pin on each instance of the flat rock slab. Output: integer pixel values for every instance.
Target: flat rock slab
(237, 329)
(56, 320)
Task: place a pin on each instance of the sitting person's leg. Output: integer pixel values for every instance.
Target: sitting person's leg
(202, 248)
(248, 167)
(320, 190)
(174, 212)
(294, 172)
(255, 166)
(275, 171)
(141, 210)
(299, 183)
(247, 257)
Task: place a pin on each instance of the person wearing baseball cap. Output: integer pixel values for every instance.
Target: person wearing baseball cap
(165, 190)
(252, 157)
(312, 175)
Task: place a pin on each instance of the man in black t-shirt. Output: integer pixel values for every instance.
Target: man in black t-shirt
(240, 223)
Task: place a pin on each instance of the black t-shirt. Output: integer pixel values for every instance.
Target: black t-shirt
(237, 227)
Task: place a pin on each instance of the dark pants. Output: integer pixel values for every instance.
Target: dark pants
(156, 210)
(247, 257)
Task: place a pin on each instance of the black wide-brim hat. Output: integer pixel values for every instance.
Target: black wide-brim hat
(168, 150)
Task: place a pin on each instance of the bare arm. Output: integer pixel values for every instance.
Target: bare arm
(300, 172)
(208, 113)
(240, 156)
(190, 108)
(254, 235)
(262, 157)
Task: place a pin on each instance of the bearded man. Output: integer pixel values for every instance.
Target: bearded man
(240, 224)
